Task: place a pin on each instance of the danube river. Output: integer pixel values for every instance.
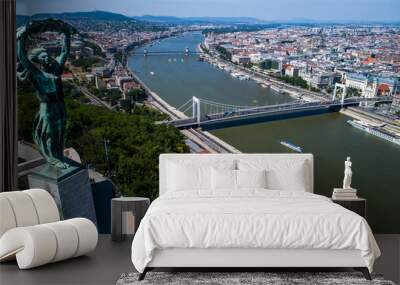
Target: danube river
(376, 163)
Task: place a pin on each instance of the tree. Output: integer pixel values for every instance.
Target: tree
(353, 92)
(120, 57)
(126, 105)
(266, 64)
(86, 63)
(137, 95)
(295, 80)
(112, 96)
(224, 53)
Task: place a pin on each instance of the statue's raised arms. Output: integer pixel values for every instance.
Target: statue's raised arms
(45, 74)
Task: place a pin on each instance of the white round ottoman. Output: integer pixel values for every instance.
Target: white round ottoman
(31, 232)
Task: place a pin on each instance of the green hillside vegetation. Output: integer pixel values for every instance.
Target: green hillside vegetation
(96, 48)
(135, 142)
(86, 63)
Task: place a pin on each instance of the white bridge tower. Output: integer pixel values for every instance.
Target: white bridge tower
(196, 109)
(344, 91)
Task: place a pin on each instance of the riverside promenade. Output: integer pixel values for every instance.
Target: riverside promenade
(294, 91)
(205, 140)
(389, 125)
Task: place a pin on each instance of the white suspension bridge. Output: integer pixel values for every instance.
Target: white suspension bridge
(198, 112)
(147, 52)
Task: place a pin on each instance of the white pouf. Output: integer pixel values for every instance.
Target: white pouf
(31, 232)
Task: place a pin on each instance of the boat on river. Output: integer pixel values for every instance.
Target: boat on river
(292, 146)
(376, 130)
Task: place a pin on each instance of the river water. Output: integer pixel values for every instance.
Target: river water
(376, 163)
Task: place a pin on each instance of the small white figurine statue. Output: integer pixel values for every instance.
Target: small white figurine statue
(348, 173)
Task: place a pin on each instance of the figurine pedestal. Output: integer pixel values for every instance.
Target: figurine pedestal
(344, 190)
(70, 189)
(344, 194)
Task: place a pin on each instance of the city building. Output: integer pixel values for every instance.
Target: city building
(291, 71)
(395, 107)
(371, 85)
(241, 59)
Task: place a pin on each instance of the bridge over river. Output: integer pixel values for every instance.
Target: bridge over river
(147, 52)
(212, 115)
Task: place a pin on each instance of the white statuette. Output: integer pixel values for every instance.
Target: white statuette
(348, 173)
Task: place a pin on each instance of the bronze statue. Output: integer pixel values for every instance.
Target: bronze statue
(45, 74)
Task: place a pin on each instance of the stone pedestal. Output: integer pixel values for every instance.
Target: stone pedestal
(70, 189)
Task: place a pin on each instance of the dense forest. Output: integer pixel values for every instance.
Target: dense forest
(133, 141)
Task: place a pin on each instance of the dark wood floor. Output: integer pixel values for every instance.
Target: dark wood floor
(110, 260)
(103, 266)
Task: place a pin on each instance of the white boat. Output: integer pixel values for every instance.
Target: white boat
(240, 76)
(376, 130)
(292, 146)
(152, 73)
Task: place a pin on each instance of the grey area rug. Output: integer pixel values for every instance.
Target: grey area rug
(236, 278)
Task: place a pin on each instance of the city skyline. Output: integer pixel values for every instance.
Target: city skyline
(285, 10)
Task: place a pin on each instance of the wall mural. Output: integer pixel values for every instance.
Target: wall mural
(107, 92)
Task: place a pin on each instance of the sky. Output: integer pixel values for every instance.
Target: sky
(326, 10)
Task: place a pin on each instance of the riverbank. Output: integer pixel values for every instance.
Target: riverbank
(264, 80)
(213, 58)
(372, 119)
(205, 141)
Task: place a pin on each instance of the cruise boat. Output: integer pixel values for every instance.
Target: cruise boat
(376, 130)
(292, 146)
(240, 76)
(243, 77)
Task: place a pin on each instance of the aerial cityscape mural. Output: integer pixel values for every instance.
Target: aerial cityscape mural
(111, 87)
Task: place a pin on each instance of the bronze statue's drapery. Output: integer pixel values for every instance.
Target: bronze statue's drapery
(45, 72)
(8, 98)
